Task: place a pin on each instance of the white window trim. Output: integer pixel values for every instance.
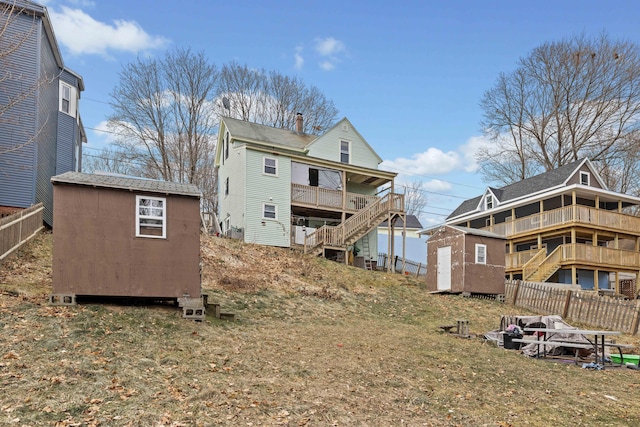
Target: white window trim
(162, 218)
(264, 166)
(348, 151)
(72, 99)
(489, 200)
(586, 175)
(482, 247)
(275, 211)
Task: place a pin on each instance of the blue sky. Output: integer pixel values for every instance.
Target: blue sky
(408, 74)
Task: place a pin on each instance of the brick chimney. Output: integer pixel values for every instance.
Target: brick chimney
(299, 123)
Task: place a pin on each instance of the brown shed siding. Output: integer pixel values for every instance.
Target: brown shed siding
(96, 251)
(466, 275)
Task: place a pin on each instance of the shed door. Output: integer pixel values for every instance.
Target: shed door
(444, 268)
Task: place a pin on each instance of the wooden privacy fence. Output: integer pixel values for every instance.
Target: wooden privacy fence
(19, 228)
(576, 305)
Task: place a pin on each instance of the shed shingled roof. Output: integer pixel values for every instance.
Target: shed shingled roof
(126, 183)
(523, 188)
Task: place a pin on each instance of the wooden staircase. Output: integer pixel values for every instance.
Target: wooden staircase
(354, 227)
(541, 268)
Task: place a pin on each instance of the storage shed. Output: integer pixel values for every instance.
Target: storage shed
(465, 260)
(126, 237)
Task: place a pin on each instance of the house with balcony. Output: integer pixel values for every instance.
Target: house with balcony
(562, 226)
(41, 133)
(323, 194)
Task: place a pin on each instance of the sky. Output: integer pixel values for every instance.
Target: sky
(409, 75)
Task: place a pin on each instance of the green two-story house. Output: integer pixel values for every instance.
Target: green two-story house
(285, 188)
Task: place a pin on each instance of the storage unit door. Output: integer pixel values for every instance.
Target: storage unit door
(444, 268)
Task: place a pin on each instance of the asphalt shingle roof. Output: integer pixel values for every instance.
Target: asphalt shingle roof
(522, 188)
(126, 183)
(247, 131)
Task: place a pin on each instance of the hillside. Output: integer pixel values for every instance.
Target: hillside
(314, 343)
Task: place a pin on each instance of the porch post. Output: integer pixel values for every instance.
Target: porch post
(574, 275)
(596, 285)
(344, 196)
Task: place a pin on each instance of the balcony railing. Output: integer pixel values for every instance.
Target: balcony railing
(575, 253)
(328, 199)
(564, 216)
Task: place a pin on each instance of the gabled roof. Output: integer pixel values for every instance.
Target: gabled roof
(126, 183)
(526, 187)
(255, 133)
(352, 127)
(412, 222)
(472, 231)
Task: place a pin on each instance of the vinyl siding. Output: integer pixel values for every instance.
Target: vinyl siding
(47, 113)
(234, 204)
(328, 146)
(18, 124)
(263, 189)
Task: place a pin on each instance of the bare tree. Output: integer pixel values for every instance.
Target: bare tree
(414, 198)
(273, 99)
(164, 119)
(566, 100)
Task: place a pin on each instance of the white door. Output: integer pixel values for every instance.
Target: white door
(444, 268)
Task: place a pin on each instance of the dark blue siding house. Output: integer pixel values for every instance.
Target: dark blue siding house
(41, 133)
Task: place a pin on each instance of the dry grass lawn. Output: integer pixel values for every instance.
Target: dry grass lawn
(314, 343)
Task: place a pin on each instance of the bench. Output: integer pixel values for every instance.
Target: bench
(619, 347)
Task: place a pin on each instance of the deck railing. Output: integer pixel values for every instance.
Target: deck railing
(570, 214)
(356, 225)
(332, 199)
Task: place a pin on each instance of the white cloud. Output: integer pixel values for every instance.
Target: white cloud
(469, 150)
(329, 46)
(331, 50)
(327, 65)
(431, 162)
(298, 58)
(437, 186)
(81, 34)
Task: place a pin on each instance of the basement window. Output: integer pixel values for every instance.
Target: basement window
(151, 217)
(481, 253)
(269, 211)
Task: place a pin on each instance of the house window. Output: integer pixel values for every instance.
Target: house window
(481, 253)
(489, 201)
(226, 145)
(270, 166)
(227, 225)
(585, 178)
(151, 214)
(67, 99)
(226, 186)
(344, 151)
(269, 211)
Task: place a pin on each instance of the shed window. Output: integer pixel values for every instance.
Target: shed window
(151, 214)
(226, 186)
(481, 253)
(585, 178)
(270, 166)
(344, 151)
(269, 211)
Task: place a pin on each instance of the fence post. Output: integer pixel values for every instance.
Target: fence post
(567, 304)
(515, 292)
(636, 319)
(418, 271)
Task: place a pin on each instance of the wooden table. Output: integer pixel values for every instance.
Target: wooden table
(598, 343)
